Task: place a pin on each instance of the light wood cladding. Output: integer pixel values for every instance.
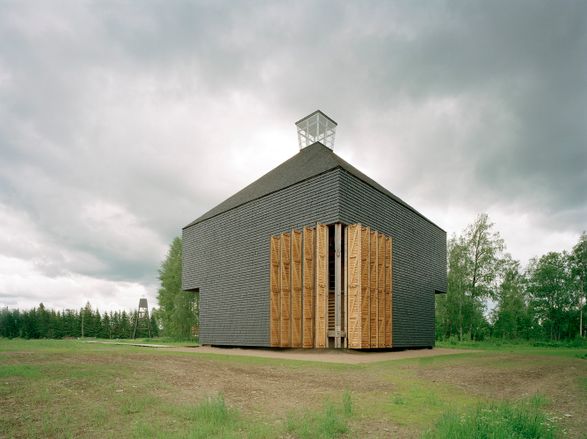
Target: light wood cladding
(354, 286)
(308, 287)
(388, 305)
(381, 291)
(373, 288)
(365, 299)
(299, 288)
(296, 289)
(285, 267)
(275, 292)
(321, 313)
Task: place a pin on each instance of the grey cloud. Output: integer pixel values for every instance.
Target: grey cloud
(142, 106)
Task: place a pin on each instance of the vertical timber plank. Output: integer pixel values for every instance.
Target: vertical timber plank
(354, 286)
(337, 284)
(373, 287)
(381, 290)
(274, 291)
(391, 289)
(346, 288)
(365, 317)
(321, 285)
(285, 291)
(387, 292)
(308, 288)
(296, 289)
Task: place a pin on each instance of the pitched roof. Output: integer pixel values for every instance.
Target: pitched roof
(311, 161)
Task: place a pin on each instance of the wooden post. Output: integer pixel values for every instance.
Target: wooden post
(354, 287)
(365, 310)
(308, 293)
(346, 288)
(337, 284)
(275, 289)
(381, 290)
(321, 286)
(285, 249)
(296, 288)
(373, 287)
(388, 305)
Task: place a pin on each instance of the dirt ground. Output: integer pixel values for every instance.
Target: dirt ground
(519, 376)
(261, 388)
(325, 356)
(271, 390)
(343, 356)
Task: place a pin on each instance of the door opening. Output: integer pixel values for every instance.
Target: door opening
(336, 287)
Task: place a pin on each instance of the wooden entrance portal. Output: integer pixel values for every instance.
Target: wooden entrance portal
(331, 286)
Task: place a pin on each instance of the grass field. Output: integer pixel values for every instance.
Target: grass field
(52, 388)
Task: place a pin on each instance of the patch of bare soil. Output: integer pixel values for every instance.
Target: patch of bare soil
(254, 388)
(343, 356)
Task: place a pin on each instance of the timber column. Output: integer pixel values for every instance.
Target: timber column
(337, 285)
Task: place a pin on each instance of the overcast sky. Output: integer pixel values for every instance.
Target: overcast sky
(121, 122)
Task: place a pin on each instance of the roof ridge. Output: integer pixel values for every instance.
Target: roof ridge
(315, 160)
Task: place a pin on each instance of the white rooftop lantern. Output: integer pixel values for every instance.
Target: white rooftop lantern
(316, 127)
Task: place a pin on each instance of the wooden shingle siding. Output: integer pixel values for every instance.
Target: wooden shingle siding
(227, 258)
(418, 258)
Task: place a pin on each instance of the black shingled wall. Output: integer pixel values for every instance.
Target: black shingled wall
(227, 257)
(419, 257)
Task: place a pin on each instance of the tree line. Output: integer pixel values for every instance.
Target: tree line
(40, 322)
(177, 316)
(490, 294)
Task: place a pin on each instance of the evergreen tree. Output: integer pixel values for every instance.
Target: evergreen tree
(115, 323)
(154, 324)
(87, 321)
(42, 318)
(31, 324)
(105, 330)
(71, 323)
(97, 324)
(124, 329)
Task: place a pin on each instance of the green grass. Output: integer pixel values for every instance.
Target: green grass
(20, 370)
(330, 422)
(571, 348)
(65, 388)
(499, 344)
(497, 421)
